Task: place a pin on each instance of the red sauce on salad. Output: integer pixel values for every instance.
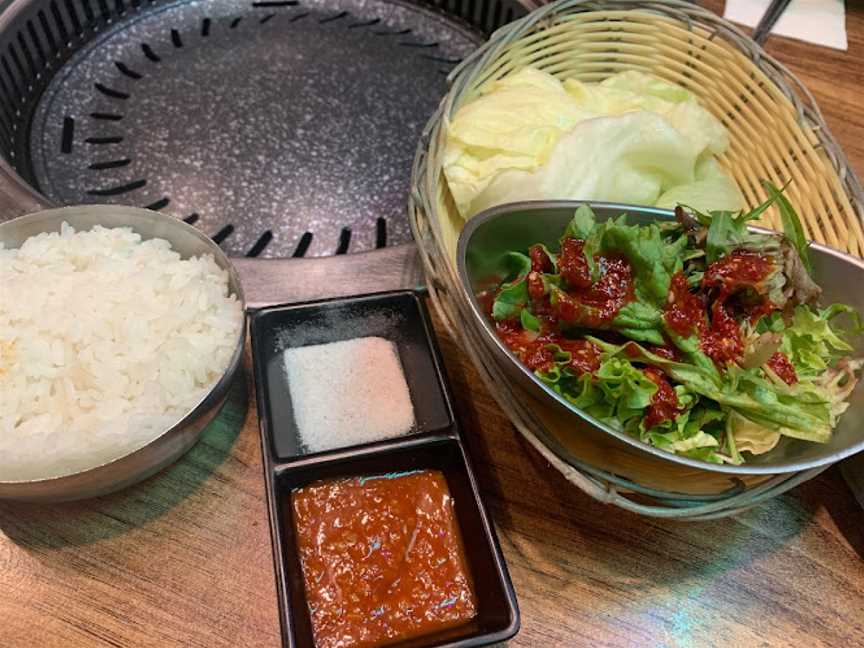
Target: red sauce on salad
(664, 402)
(584, 355)
(583, 303)
(596, 305)
(723, 342)
(536, 289)
(758, 312)
(667, 352)
(573, 265)
(740, 270)
(736, 270)
(382, 559)
(685, 312)
(532, 348)
(540, 261)
(779, 363)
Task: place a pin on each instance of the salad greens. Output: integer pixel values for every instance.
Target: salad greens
(698, 336)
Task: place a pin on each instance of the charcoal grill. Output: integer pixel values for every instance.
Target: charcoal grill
(281, 128)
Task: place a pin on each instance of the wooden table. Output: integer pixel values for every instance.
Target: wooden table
(184, 559)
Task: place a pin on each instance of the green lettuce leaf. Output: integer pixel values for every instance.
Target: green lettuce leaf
(791, 224)
(513, 296)
(804, 410)
(652, 257)
(582, 224)
(728, 232)
(529, 322)
(810, 342)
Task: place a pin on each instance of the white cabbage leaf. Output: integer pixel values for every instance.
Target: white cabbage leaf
(632, 138)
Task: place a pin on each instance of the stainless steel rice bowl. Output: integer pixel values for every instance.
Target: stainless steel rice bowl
(173, 442)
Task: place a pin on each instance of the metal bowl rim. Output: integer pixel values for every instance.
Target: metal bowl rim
(218, 389)
(483, 217)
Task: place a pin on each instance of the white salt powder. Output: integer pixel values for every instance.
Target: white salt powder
(348, 393)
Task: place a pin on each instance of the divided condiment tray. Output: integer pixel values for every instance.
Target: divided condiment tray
(433, 443)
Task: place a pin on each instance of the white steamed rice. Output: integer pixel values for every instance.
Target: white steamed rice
(105, 341)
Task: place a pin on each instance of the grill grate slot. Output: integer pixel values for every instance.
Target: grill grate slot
(105, 11)
(344, 240)
(59, 23)
(46, 30)
(89, 16)
(19, 68)
(110, 139)
(111, 92)
(28, 56)
(338, 16)
(381, 232)
(303, 245)
(37, 46)
(119, 189)
(73, 16)
(223, 233)
(262, 242)
(5, 104)
(126, 71)
(368, 23)
(162, 203)
(15, 95)
(110, 164)
(149, 53)
(68, 135)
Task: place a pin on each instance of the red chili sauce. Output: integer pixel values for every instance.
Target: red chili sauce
(382, 559)
(724, 341)
(720, 337)
(532, 348)
(740, 269)
(785, 370)
(736, 272)
(585, 302)
(581, 303)
(540, 261)
(685, 312)
(664, 402)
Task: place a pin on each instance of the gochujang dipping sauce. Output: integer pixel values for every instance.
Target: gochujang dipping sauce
(382, 559)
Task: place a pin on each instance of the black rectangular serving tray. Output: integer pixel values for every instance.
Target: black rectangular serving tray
(396, 316)
(436, 444)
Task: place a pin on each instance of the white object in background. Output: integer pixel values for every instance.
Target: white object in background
(815, 21)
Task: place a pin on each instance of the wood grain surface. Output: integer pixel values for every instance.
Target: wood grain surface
(184, 559)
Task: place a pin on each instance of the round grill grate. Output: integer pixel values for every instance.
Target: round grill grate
(278, 127)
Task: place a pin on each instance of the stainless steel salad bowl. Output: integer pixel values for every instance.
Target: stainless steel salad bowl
(488, 236)
(176, 440)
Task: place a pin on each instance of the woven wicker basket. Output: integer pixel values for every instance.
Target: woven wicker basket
(776, 133)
